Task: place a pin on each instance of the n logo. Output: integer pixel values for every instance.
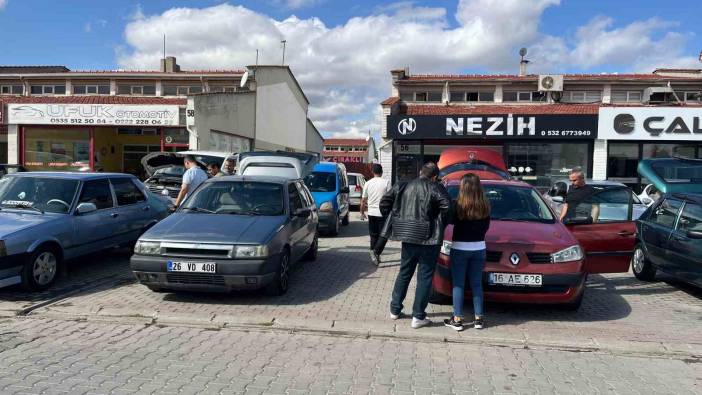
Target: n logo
(407, 126)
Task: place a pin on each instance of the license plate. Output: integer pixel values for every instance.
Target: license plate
(193, 267)
(514, 279)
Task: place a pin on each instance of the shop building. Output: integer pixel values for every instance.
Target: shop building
(544, 125)
(350, 150)
(52, 118)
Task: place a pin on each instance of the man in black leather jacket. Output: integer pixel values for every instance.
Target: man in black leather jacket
(418, 214)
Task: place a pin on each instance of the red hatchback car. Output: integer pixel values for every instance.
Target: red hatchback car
(532, 257)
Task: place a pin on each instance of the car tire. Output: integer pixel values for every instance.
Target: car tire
(334, 231)
(641, 266)
(345, 220)
(281, 282)
(41, 269)
(435, 297)
(311, 254)
(157, 289)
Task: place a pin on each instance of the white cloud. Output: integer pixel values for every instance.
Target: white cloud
(3, 3)
(344, 69)
(295, 4)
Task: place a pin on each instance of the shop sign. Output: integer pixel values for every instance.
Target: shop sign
(344, 159)
(512, 126)
(651, 123)
(92, 114)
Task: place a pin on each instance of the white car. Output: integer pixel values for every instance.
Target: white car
(356, 183)
(649, 195)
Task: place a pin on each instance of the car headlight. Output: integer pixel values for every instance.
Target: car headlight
(326, 206)
(446, 247)
(147, 248)
(257, 251)
(3, 248)
(574, 253)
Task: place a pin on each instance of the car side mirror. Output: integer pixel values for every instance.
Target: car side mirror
(344, 190)
(577, 221)
(85, 208)
(302, 212)
(694, 234)
(558, 199)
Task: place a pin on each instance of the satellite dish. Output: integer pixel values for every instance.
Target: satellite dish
(523, 51)
(244, 79)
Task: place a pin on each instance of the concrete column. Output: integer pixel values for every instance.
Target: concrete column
(13, 144)
(607, 94)
(69, 87)
(498, 93)
(159, 88)
(599, 160)
(26, 88)
(113, 87)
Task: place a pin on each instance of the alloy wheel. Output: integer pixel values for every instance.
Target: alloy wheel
(638, 260)
(44, 268)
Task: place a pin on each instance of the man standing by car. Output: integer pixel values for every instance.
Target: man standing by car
(229, 167)
(192, 178)
(213, 170)
(578, 192)
(373, 191)
(419, 214)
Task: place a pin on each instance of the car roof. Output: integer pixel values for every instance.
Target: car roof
(67, 175)
(326, 166)
(515, 183)
(208, 153)
(268, 179)
(602, 183)
(355, 174)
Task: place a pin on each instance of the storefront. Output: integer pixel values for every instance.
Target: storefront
(538, 149)
(93, 137)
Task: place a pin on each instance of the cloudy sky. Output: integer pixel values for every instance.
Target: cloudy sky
(342, 51)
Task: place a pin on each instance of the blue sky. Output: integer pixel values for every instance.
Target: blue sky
(341, 51)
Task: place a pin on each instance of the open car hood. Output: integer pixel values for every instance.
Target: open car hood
(277, 163)
(484, 162)
(161, 160)
(673, 175)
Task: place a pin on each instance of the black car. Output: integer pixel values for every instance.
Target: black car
(669, 233)
(9, 169)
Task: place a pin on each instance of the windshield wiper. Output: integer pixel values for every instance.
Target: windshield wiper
(198, 210)
(242, 212)
(25, 206)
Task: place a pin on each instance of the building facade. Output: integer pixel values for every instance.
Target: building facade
(350, 150)
(545, 125)
(53, 118)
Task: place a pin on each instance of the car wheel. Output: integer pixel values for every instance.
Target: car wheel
(335, 229)
(311, 254)
(641, 266)
(157, 289)
(39, 273)
(345, 220)
(280, 284)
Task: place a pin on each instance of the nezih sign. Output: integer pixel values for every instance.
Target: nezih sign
(570, 127)
(651, 123)
(92, 114)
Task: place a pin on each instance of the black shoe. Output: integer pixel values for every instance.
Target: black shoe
(377, 258)
(374, 258)
(453, 324)
(478, 323)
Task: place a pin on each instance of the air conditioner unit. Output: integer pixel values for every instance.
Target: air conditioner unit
(551, 83)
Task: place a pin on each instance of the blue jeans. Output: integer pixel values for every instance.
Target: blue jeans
(412, 255)
(470, 263)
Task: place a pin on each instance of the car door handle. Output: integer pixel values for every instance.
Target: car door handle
(625, 233)
(114, 215)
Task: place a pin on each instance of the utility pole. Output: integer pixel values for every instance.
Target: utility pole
(283, 42)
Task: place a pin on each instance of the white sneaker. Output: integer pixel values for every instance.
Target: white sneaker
(417, 323)
(395, 316)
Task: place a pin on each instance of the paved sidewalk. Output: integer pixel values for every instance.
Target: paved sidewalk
(344, 293)
(65, 357)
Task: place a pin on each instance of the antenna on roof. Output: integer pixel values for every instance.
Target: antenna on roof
(256, 57)
(283, 42)
(164, 47)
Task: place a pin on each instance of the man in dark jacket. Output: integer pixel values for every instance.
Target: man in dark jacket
(417, 219)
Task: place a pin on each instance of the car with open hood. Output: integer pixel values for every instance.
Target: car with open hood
(669, 233)
(487, 164)
(532, 257)
(165, 169)
(238, 232)
(48, 218)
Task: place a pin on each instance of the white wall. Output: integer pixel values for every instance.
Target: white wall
(279, 118)
(599, 160)
(12, 144)
(386, 161)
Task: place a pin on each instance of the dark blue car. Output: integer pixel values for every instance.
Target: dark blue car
(669, 233)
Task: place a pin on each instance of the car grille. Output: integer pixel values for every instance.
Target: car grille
(539, 257)
(171, 192)
(493, 256)
(196, 252)
(191, 278)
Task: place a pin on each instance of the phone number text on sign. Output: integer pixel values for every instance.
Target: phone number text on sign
(566, 133)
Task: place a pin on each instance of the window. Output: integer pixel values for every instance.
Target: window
(127, 193)
(473, 96)
(91, 89)
(223, 88)
(238, 197)
(695, 97)
(510, 96)
(428, 96)
(669, 150)
(666, 213)
(542, 164)
(148, 90)
(11, 89)
(181, 90)
(294, 198)
(626, 96)
(606, 206)
(420, 96)
(691, 218)
(97, 192)
(307, 200)
(582, 96)
(48, 89)
(407, 96)
(622, 161)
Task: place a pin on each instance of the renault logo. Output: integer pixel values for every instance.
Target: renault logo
(407, 126)
(514, 258)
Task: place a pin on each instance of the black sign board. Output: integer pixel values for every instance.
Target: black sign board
(528, 127)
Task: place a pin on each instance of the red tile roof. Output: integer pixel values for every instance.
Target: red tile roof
(533, 77)
(347, 142)
(390, 101)
(158, 72)
(424, 109)
(94, 100)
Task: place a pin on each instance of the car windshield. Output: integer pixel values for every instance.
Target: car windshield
(319, 181)
(237, 197)
(476, 166)
(171, 171)
(53, 195)
(510, 203)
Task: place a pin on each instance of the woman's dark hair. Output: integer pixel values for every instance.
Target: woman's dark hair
(471, 203)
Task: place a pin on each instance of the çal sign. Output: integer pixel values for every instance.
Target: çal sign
(650, 123)
(412, 127)
(93, 114)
